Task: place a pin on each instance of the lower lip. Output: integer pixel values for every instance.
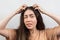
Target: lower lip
(29, 25)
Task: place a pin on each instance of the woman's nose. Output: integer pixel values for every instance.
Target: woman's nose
(28, 19)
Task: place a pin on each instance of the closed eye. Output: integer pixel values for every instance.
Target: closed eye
(25, 16)
(32, 15)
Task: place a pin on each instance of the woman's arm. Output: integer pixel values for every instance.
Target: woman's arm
(53, 16)
(55, 30)
(9, 33)
(5, 21)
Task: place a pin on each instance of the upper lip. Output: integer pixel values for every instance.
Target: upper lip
(29, 24)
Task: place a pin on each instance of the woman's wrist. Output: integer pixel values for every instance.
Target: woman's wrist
(43, 11)
(15, 12)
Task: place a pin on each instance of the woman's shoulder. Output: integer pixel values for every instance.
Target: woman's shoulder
(11, 33)
(7, 30)
(47, 31)
(10, 30)
(8, 33)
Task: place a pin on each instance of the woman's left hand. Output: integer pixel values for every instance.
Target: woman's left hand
(39, 8)
(35, 6)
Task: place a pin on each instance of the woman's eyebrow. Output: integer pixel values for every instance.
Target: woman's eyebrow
(31, 14)
(25, 15)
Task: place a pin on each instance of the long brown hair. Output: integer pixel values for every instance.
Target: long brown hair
(22, 32)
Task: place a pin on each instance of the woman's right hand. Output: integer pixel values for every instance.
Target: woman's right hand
(20, 9)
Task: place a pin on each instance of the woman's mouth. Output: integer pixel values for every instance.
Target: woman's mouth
(29, 24)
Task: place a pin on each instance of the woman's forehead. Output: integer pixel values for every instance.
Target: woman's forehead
(28, 12)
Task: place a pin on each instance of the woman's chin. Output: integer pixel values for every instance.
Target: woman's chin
(29, 28)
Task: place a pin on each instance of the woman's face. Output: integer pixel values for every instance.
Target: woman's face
(30, 20)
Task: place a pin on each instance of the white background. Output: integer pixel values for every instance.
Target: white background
(8, 6)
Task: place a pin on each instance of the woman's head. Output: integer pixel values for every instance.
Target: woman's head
(30, 18)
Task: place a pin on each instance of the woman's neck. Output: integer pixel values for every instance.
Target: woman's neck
(33, 34)
(33, 31)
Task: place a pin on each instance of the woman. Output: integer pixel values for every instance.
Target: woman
(31, 25)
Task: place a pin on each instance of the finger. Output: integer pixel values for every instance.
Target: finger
(35, 5)
(24, 6)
